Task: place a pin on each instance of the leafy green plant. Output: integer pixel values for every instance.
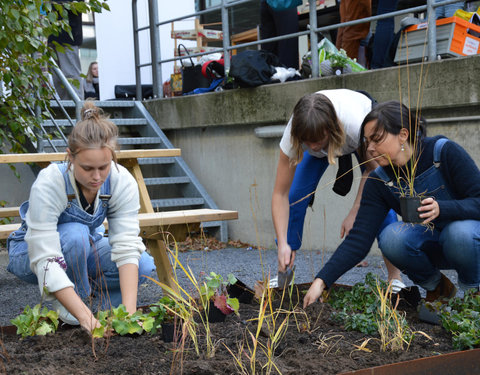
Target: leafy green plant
(339, 59)
(163, 311)
(123, 323)
(25, 58)
(360, 298)
(461, 317)
(367, 307)
(214, 288)
(37, 321)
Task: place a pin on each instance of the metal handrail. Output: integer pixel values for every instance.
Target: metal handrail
(313, 31)
(70, 90)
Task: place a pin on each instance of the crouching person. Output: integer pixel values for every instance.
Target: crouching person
(448, 178)
(61, 245)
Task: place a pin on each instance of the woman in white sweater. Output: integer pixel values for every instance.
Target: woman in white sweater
(61, 243)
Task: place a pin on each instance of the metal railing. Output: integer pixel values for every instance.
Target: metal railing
(312, 31)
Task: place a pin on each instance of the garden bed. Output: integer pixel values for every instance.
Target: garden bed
(312, 343)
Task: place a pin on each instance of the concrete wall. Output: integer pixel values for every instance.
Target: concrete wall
(216, 134)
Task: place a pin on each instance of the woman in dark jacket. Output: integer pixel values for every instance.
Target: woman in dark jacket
(448, 180)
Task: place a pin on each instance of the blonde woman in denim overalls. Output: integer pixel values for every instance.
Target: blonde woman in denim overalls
(61, 243)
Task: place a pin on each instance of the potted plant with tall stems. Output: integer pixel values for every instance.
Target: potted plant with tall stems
(404, 176)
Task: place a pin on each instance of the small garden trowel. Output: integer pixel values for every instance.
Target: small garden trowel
(285, 278)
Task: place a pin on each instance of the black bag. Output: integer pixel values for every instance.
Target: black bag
(253, 68)
(192, 77)
(129, 92)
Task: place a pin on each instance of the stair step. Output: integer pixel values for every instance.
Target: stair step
(211, 224)
(167, 180)
(149, 161)
(121, 141)
(116, 121)
(98, 103)
(177, 202)
(140, 141)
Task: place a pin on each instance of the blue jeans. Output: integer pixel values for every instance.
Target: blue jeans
(421, 253)
(384, 33)
(89, 264)
(307, 175)
(446, 11)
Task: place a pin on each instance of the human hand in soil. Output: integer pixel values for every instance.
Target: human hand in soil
(429, 210)
(286, 257)
(314, 292)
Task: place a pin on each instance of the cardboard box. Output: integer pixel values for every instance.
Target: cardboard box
(193, 34)
(193, 50)
(455, 37)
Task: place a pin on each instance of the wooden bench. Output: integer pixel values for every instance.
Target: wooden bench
(154, 226)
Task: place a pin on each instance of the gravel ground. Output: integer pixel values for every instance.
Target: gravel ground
(244, 263)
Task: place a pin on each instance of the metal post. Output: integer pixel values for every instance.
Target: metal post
(155, 49)
(36, 130)
(313, 37)
(136, 48)
(226, 38)
(432, 31)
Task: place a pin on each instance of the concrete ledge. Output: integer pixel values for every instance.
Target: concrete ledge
(441, 89)
(274, 131)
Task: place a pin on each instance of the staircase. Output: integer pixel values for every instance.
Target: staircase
(170, 182)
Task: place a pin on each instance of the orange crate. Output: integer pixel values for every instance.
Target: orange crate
(453, 39)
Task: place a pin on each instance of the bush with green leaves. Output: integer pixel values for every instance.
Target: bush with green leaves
(36, 322)
(461, 317)
(358, 308)
(24, 58)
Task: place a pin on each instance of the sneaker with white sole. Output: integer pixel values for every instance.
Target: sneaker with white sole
(397, 286)
(64, 315)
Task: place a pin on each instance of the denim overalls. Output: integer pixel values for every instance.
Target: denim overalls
(420, 252)
(86, 251)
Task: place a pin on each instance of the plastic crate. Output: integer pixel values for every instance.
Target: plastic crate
(453, 40)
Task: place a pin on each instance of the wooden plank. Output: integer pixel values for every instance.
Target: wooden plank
(159, 219)
(62, 156)
(185, 216)
(9, 211)
(6, 229)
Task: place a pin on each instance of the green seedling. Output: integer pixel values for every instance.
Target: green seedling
(461, 318)
(37, 321)
(214, 288)
(123, 323)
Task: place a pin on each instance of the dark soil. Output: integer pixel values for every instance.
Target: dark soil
(313, 344)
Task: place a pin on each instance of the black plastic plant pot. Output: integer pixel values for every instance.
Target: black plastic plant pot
(215, 315)
(168, 331)
(409, 209)
(240, 291)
